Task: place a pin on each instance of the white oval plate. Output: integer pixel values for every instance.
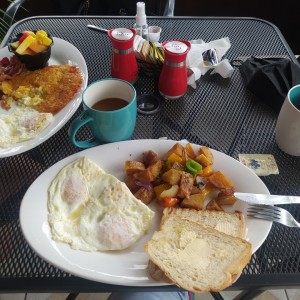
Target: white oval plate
(126, 267)
(59, 56)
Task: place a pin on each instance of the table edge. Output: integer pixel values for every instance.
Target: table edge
(286, 45)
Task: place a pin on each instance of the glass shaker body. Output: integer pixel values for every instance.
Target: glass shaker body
(123, 65)
(173, 77)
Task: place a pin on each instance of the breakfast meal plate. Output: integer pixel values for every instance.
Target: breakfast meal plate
(123, 267)
(59, 56)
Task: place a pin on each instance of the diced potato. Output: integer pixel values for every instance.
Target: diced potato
(203, 160)
(131, 184)
(145, 195)
(160, 188)
(220, 181)
(185, 156)
(195, 201)
(213, 205)
(195, 190)
(150, 157)
(145, 176)
(207, 153)
(177, 149)
(226, 197)
(178, 166)
(156, 168)
(133, 166)
(208, 188)
(186, 185)
(172, 176)
(171, 192)
(227, 200)
(189, 150)
(226, 192)
(206, 172)
(174, 158)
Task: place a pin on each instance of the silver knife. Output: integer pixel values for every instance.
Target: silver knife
(267, 199)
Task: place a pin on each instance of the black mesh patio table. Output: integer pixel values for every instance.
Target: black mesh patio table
(219, 113)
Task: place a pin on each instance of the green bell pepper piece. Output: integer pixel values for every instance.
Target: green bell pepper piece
(193, 167)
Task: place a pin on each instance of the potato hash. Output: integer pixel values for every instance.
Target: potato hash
(46, 90)
(183, 177)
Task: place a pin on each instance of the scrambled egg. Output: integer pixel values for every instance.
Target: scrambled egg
(28, 96)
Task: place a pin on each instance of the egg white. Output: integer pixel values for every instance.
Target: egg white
(94, 211)
(22, 124)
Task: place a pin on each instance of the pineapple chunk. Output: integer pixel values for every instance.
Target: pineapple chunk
(46, 41)
(42, 32)
(25, 44)
(42, 38)
(15, 45)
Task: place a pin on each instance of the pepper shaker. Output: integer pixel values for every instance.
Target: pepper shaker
(123, 65)
(173, 77)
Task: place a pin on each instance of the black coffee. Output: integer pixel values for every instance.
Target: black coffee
(110, 104)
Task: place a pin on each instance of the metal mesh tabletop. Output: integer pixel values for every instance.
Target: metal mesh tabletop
(219, 113)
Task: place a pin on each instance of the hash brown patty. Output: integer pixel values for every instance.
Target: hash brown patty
(47, 90)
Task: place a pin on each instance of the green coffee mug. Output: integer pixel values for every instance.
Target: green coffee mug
(110, 110)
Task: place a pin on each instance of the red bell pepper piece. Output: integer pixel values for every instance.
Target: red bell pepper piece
(167, 201)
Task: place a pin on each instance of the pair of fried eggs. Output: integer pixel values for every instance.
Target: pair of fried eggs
(22, 124)
(92, 210)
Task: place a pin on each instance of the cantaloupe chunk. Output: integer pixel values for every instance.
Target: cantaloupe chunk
(37, 47)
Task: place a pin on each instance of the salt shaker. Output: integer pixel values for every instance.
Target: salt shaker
(173, 77)
(123, 65)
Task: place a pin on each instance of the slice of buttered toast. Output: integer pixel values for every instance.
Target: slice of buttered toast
(195, 257)
(229, 223)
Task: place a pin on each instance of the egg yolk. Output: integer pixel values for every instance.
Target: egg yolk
(74, 190)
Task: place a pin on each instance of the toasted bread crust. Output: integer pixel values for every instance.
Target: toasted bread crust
(156, 273)
(208, 218)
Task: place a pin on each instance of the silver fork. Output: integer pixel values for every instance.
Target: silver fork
(272, 213)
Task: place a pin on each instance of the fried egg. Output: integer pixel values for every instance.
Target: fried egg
(22, 124)
(92, 210)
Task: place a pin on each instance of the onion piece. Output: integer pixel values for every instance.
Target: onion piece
(147, 186)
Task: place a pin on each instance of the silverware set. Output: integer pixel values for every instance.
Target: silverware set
(261, 206)
(272, 213)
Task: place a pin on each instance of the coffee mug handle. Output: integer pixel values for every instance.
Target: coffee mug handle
(83, 119)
